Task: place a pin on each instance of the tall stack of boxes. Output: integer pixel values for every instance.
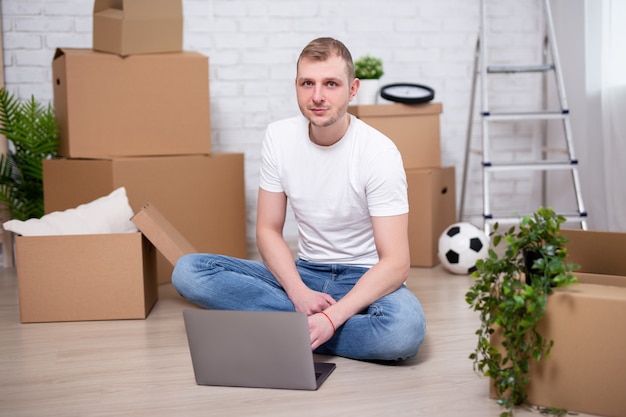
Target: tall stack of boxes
(134, 111)
(415, 130)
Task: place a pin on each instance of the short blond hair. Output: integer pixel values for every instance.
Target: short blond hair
(321, 49)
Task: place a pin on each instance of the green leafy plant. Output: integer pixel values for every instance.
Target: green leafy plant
(31, 131)
(368, 68)
(510, 294)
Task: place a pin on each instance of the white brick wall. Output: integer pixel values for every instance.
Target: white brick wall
(253, 46)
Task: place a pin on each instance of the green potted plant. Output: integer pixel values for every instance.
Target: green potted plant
(368, 70)
(510, 293)
(31, 131)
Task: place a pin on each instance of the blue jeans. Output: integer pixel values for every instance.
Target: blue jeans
(392, 328)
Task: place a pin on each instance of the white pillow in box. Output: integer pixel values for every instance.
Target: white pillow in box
(108, 214)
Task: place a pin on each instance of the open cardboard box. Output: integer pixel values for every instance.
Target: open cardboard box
(128, 27)
(95, 277)
(584, 372)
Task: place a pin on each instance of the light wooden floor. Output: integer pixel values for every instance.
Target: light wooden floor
(142, 367)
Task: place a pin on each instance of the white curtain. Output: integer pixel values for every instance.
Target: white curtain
(613, 110)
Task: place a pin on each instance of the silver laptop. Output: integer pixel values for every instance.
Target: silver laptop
(253, 349)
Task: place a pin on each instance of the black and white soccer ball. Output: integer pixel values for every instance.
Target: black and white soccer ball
(460, 246)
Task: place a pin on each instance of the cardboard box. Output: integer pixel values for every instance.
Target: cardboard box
(586, 367)
(85, 277)
(599, 254)
(413, 128)
(128, 27)
(141, 105)
(95, 277)
(202, 196)
(432, 208)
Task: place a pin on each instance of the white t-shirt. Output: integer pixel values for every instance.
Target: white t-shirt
(333, 190)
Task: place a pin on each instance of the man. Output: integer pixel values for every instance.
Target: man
(347, 188)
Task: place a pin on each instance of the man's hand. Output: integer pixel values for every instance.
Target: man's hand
(321, 329)
(311, 302)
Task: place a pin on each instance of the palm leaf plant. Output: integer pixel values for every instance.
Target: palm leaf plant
(31, 131)
(510, 294)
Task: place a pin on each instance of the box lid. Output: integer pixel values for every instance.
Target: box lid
(167, 239)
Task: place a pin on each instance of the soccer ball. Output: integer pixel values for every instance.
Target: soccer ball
(460, 246)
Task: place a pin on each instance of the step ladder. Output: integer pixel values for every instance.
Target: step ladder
(481, 72)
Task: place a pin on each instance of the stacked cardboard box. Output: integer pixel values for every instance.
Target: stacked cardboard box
(134, 111)
(128, 27)
(415, 130)
(140, 105)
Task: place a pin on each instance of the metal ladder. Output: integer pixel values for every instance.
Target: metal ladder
(481, 70)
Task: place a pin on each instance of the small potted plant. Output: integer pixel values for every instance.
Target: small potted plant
(31, 130)
(368, 69)
(510, 294)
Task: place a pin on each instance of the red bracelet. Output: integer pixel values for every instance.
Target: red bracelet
(331, 322)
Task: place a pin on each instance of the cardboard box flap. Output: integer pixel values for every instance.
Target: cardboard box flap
(71, 53)
(601, 279)
(100, 5)
(140, 9)
(167, 239)
(595, 290)
(596, 252)
(58, 52)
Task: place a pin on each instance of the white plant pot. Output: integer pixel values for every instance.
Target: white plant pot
(368, 92)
